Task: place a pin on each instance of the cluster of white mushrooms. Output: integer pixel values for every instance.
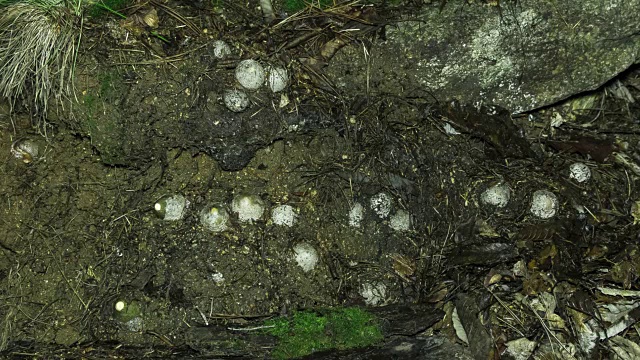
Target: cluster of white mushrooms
(248, 209)
(381, 206)
(250, 75)
(215, 217)
(544, 203)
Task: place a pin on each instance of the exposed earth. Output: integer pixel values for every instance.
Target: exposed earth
(79, 234)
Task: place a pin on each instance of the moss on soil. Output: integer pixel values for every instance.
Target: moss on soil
(307, 331)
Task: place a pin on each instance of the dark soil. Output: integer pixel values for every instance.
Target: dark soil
(78, 231)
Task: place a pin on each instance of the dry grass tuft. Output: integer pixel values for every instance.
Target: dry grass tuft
(38, 47)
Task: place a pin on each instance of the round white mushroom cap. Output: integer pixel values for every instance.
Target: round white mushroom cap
(278, 78)
(171, 208)
(236, 100)
(356, 214)
(217, 277)
(221, 49)
(544, 204)
(248, 207)
(25, 150)
(214, 218)
(381, 204)
(284, 215)
(306, 256)
(497, 195)
(579, 172)
(250, 74)
(373, 293)
(400, 221)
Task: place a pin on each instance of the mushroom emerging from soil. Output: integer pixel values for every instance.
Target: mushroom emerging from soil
(381, 204)
(284, 215)
(544, 204)
(249, 208)
(497, 195)
(306, 256)
(25, 150)
(171, 207)
(356, 214)
(236, 100)
(579, 172)
(221, 49)
(400, 221)
(374, 293)
(214, 218)
(250, 74)
(278, 78)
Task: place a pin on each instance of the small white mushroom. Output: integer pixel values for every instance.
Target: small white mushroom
(214, 218)
(400, 221)
(25, 150)
(250, 74)
(381, 204)
(284, 215)
(374, 293)
(216, 277)
(544, 204)
(221, 49)
(521, 349)
(497, 195)
(356, 214)
(579, 172)
(278, 78)
(171, 208)
(306, 256)
(249, 208)
(236, 100)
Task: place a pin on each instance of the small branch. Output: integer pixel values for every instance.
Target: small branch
(253, 328)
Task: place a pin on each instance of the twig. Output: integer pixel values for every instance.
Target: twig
(193, 27)
(252, 328)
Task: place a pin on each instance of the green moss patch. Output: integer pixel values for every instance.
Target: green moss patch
(310, 331)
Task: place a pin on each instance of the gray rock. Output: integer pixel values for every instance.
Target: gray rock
(523, 56)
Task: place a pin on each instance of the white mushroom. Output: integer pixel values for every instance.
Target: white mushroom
(544, 204)
(306, 256)
(374, 293)
(278, 78)
(381, 204)
(25, 150)
(249, 208)
(214, 218)
(497, 195)
(221, 49)
(356, 214)
(579, 172)
(283, 215)
(171, 208)
(400, 221)
(236, 100)
(250, 74)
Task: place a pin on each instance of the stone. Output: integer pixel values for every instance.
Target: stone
(520, 57)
